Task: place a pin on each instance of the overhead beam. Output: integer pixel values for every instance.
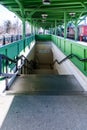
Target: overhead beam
(35, 10)
(57, 10)
(20, 7)
(82, 3)
(50, 10)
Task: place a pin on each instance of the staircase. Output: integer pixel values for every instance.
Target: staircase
(46, 84)
(44, 71)
(42, 79)
(42, 61)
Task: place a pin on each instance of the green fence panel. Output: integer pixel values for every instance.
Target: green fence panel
(79, 51)
(12, 50)
(69, 46)
(85, 64)
(63, 45)
(3, 51)
(59, 42)
(43, 37)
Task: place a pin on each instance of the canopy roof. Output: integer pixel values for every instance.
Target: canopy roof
(46, 15)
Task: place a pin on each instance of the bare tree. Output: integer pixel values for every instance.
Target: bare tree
(7, 26)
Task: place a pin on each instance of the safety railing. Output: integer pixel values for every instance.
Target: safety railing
(27, 66)
(18, 62)
(68, 57)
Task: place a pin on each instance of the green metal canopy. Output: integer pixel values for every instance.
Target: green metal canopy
(46, 15)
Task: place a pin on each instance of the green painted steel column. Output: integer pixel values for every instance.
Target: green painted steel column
(24, 32)
(76, 30)
(55, 26)
(65, 25)
(51, 29)
(34, 27)
(31, 27)
(44, 30)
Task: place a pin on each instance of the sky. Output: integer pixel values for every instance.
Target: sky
(5, 14)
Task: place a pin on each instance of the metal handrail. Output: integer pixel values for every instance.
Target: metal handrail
(68, 57)
(8, 75)
(7, 58)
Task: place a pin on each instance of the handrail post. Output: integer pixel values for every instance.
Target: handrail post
(7, 73)
(16, 63)
(0, 64)
(24, 31)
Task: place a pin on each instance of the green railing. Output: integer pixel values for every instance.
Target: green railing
(43, 37)
(65, 45)
(13, 50)
(69, 46)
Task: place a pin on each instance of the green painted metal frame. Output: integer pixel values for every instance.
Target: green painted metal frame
(13, 50)
(67, 47)
(33, 10)
(43, 37)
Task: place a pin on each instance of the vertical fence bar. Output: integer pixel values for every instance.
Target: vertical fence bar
(24, 32)
(6, 73)
(0, 64)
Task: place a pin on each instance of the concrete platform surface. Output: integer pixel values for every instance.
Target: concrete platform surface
(46, 113)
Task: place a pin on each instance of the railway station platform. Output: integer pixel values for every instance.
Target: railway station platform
(44, 112)
(53, 98)
(43, 75)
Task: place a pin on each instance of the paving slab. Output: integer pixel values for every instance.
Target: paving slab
(47, 113)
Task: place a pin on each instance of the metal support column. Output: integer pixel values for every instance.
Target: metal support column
(44, 30)
(34, 27)
(51, 29)
(31, 27)
(0, 64)
(65, 25)
(24, 32)
(55, 26)
(76, 31)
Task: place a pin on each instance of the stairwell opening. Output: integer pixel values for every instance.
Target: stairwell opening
(41, 59)
(43, 78)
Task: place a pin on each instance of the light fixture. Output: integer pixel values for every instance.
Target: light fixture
(46, 2)
(43, 21)
(72, 14)
(44, 16)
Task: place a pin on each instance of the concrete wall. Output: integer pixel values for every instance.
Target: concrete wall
(68, 67)
(44, 53)
(31, 54)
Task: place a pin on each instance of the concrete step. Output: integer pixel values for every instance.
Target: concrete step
(44, 71)
(45, 85)
(44, 66)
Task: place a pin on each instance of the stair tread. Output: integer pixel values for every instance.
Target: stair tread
(45, 84)
(44, 71)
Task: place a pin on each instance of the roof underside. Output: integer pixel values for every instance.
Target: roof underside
(32, 10)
